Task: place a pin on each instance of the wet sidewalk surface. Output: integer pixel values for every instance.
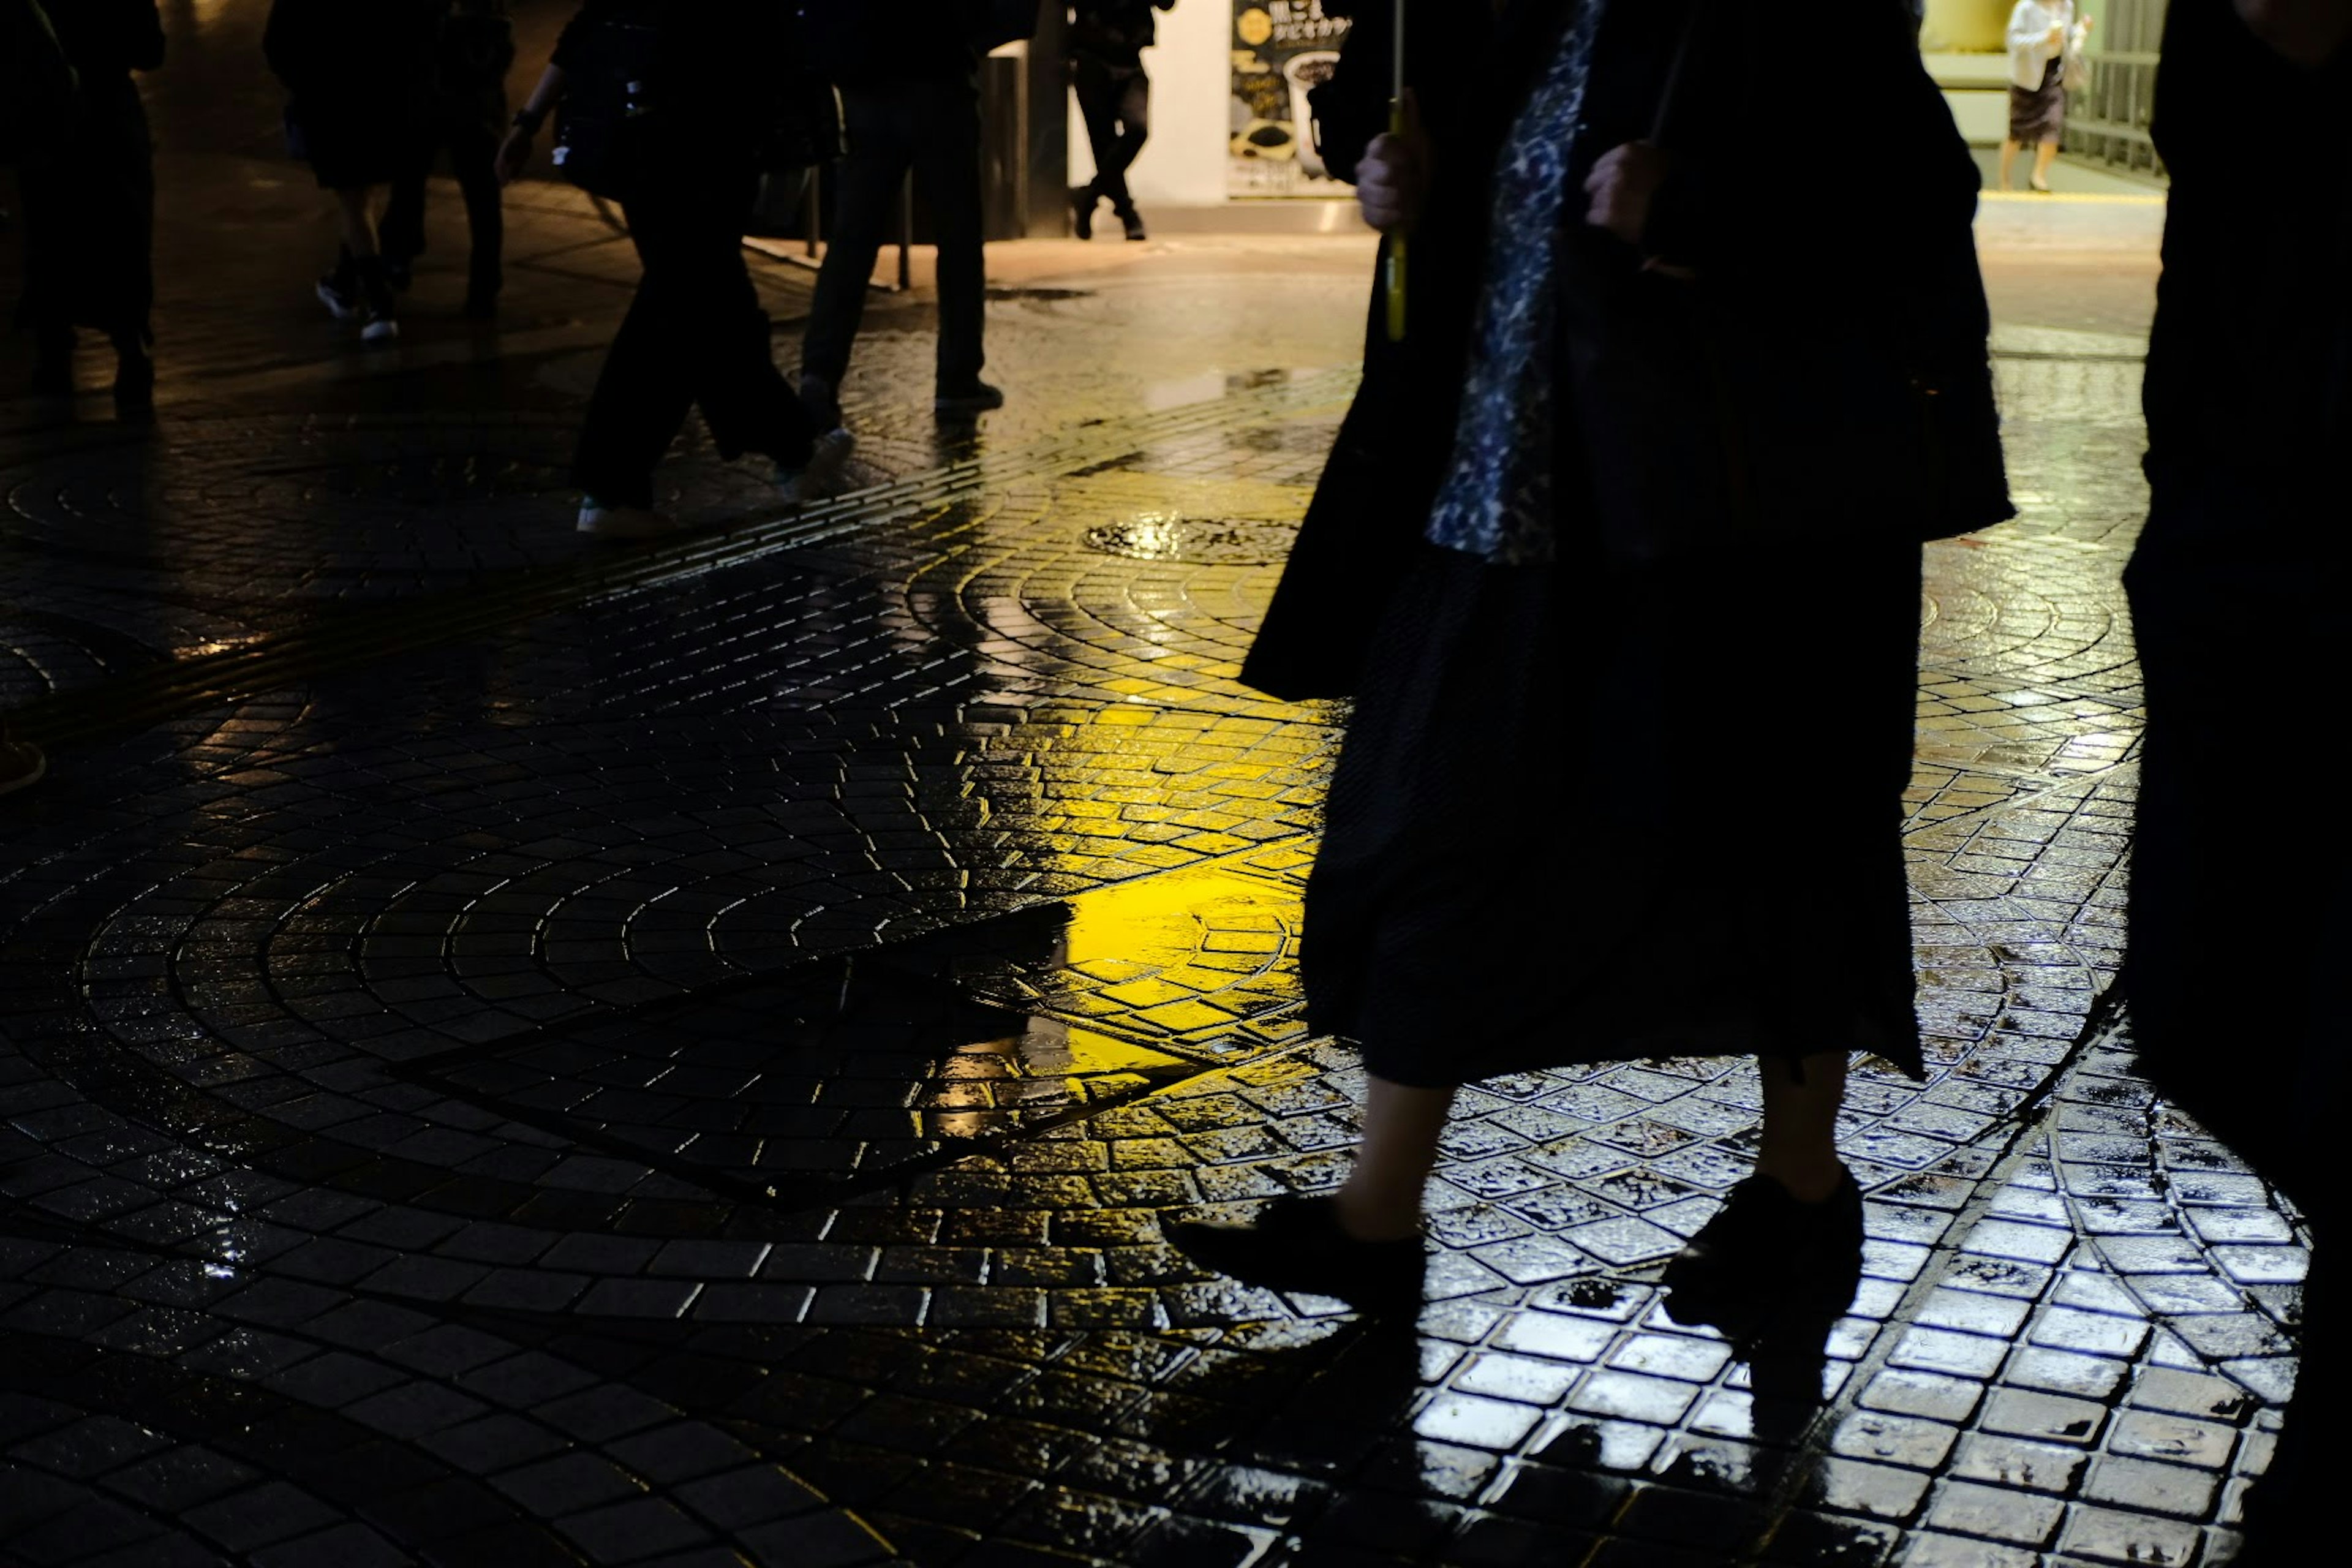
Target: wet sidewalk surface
(519, 1052)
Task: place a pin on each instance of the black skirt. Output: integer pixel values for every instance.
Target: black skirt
(1606, 811)
(2039, 114)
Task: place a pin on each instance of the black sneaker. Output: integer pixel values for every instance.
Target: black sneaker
(1132, 221)
(1296, 1244)
(340, 291)
(379, 313)
(975, 396)
(1083, 199)
(1766, 1258)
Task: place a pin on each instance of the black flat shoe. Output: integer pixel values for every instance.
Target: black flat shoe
(1766, 1259)
(1083, 202)
(1296, 1244)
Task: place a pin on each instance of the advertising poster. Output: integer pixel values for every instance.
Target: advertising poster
(1282, 48)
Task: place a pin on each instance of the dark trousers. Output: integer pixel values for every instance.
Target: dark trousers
(1116, 102)
(472, 143)
(933, 129)
(695, 335)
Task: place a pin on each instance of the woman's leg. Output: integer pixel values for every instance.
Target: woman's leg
(2044, 155)
(1381, 1199)
(2008, 157)
(1801, 1100)
(358, 215)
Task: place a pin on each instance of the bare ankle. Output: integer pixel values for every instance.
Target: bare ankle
(1368, 1218)
(1808, 1182)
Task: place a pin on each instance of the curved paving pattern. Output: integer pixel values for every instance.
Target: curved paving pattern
(688, 1069)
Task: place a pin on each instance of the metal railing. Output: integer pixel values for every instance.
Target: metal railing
(2107, 122)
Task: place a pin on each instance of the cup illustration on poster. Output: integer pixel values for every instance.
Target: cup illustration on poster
(1282, 50)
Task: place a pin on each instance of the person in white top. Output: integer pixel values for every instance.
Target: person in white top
(2044, 35)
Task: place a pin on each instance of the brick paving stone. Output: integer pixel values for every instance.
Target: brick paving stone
(689, 1072)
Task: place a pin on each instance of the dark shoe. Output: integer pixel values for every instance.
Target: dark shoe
(379, 313)
(1132, 221)
(340, 291)
(1767, 1259)
(975, 397)
(134, 389)
(820, 477)
(1083, 200)
(1296, 1244)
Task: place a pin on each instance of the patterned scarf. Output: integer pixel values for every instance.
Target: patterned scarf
(1496, 501)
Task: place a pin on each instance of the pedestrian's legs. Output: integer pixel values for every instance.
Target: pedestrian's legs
(354, 205)
(2044, 155)
(948, 163)
(1381, 1199)
(472, 158)
(1801, 1100)
(1134, 130)
(1097, 96)
(400, 235)
(867, 190)
(646, 386)
(730, 362)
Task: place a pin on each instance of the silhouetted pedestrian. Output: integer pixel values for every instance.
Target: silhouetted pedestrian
(674, 106)
(1684, 447)
(359, 74)
(2045, 42)
(910, 101)
(2239, 919)
(89, 205)
(466, 117)
(1106, 41)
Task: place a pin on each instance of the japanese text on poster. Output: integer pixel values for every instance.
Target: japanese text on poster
(1282, 50)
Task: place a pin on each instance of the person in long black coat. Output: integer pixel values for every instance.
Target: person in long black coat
(358, 75)
(2238, 914)
(90, 209)
(1687, 448)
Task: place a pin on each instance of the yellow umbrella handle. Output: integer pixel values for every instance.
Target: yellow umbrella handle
(1396, 262)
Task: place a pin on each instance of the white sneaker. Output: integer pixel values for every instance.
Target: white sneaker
(378, 329)
(821, 477)
(624, 522)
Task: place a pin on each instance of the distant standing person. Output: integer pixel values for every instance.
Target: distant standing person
(89, 208)
(910, 82)
(1108, 38)
(2043, 35)
(359, 76)
(467, 117)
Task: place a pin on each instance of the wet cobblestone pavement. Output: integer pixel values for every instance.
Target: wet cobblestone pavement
(519, 1053)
